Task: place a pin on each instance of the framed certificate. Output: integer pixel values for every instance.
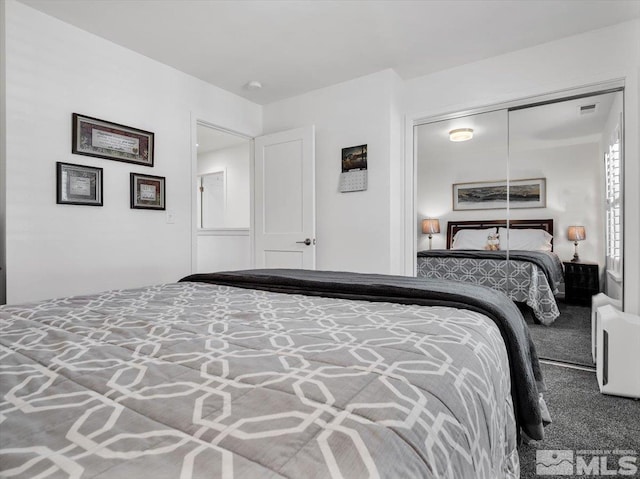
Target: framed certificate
(147, 192)
(78, 184)
(103, 139)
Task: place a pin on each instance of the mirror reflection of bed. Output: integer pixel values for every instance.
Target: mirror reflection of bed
(572, 144)
(528, 272)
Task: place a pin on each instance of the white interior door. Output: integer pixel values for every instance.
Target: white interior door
(284, 201)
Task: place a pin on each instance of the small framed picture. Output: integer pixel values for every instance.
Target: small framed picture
(112, 141)
(78, 184)
(354, 158)
(147, 192)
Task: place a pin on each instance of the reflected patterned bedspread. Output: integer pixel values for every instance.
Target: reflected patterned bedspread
(520, 280)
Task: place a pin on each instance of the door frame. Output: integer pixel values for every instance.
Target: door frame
(195, 121)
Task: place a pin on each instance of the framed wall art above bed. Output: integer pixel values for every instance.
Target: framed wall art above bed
(490, 195)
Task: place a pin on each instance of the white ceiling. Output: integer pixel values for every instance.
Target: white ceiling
(295, 46)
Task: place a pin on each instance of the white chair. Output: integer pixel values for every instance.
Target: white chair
(618, 352)
(598, 300)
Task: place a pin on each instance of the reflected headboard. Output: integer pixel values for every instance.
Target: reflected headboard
(454, 226)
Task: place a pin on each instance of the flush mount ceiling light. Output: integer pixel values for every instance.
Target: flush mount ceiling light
(461, 134)
(253, 85)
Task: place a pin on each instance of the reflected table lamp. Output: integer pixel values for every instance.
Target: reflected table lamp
(430, 227)
(575, 234)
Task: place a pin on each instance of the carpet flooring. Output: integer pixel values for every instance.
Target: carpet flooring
(583, 419)
(567, 339)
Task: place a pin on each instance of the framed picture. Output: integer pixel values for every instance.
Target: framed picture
(528, 193)
(147, 192)
(103, 139)
(78, 185)
(354, 158)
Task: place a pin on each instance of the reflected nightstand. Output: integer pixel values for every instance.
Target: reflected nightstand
(581, 281)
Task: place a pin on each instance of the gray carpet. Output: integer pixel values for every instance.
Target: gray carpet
(583, 419)
(568, 339)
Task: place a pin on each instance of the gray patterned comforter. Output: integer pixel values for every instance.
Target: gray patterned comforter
(521, 279)
(194, 380)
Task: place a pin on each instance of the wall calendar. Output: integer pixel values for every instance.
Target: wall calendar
(354, 169)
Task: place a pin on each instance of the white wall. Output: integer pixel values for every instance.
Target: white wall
(354, 230)
(592, 57)
(234, 162)
(53, 70)
(223, 250)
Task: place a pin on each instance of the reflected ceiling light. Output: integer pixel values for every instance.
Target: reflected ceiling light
(461, 134)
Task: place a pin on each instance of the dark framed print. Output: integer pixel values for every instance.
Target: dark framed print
(104, 139)
(78, 184)
(147, 192)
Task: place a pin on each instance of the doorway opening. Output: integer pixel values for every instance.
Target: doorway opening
(222, 187)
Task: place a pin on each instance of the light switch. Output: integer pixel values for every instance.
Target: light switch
(171, 218)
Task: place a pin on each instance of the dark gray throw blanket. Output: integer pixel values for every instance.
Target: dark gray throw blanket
(526, 377)
(548, 262)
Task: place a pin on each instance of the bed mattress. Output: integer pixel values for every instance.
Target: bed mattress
(198, 380)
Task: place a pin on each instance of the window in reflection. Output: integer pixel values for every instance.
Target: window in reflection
(614, 207)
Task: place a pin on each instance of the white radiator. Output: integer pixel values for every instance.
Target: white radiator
(598, 300)
(618, 352)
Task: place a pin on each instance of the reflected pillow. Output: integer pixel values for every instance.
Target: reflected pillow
(472, 239)
(525, 239)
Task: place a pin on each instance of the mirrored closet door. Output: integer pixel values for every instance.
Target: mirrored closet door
(572, 148)
(540, 183)
(462, 170)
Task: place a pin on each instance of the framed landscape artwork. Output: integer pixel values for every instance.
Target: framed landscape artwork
(526, 193)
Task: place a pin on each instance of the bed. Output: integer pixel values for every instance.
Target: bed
(528, 273)
(269, 373)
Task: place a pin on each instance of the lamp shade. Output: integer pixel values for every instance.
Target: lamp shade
(576, 233)
(430, 226)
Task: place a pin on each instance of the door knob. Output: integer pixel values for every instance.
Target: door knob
(307, 242)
